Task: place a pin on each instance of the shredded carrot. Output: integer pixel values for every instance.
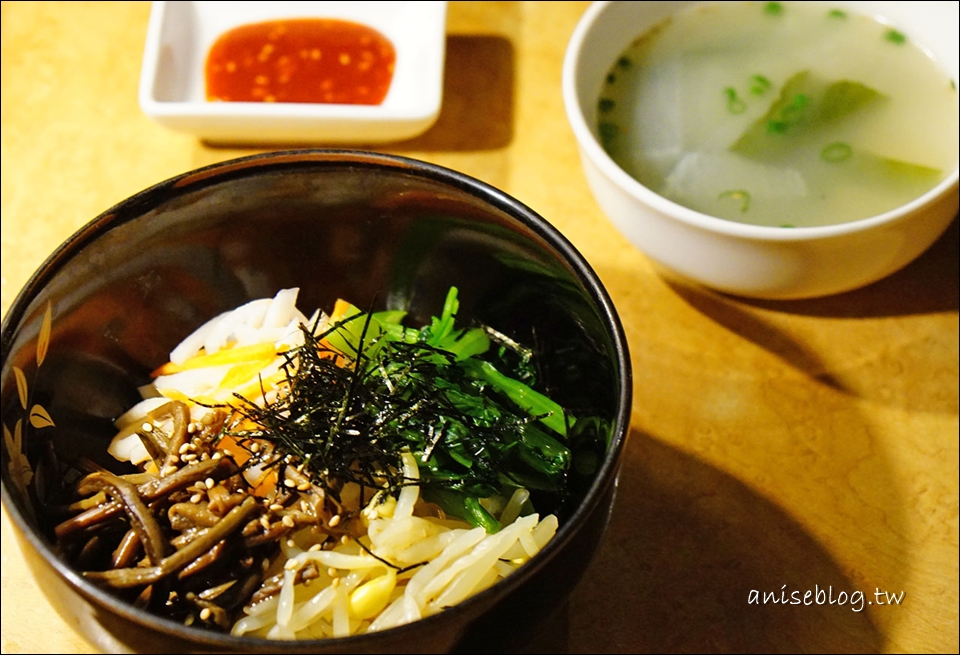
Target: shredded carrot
(173, 394)
(229, 445)
(243, 372)
(267, 482)
(253, 389)
(340, 310)
(228, 355)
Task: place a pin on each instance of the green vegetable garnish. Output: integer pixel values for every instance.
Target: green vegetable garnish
(739, 195)
(369, 388)
(759, 84)
(608, 132)
(837, 13)
(804, 105)
(788, 114)
(895, 36)
(734, 104)
(836, 152)
(773, 8)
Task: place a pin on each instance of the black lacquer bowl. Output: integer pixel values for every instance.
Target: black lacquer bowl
(106, 308)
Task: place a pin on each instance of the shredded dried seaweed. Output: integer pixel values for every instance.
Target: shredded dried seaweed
(346, 414)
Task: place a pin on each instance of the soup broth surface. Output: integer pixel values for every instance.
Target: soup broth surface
(783, 114)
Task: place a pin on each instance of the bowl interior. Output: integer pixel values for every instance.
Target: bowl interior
(381, 231)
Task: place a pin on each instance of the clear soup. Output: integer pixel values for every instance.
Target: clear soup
(780, 113)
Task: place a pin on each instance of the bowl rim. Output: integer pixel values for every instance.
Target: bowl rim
(334, 157)
(591, 149)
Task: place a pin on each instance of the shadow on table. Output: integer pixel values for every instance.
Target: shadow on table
(687, 547)
(477, 113)
(929, 285)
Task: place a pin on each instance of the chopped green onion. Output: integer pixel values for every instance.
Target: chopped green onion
(789, 115)
(737, 194)
(608, 132)
(773, 8)
(837, 13)
(895, 36)
(734, 104)
(759, 84)
(836, 152)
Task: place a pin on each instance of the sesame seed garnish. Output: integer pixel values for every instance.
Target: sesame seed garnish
(147, 427)
(205, 613)
(288, 521)
(334, 520)
(209, 483)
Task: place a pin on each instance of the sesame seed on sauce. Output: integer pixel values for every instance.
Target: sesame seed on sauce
(314, 60)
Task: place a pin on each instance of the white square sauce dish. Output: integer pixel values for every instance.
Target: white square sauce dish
(174, 78)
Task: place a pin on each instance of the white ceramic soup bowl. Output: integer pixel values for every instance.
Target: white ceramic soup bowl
(739, 258)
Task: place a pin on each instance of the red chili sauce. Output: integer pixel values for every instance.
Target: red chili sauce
(301, 60)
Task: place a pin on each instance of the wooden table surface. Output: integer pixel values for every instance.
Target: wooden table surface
(774, 447)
